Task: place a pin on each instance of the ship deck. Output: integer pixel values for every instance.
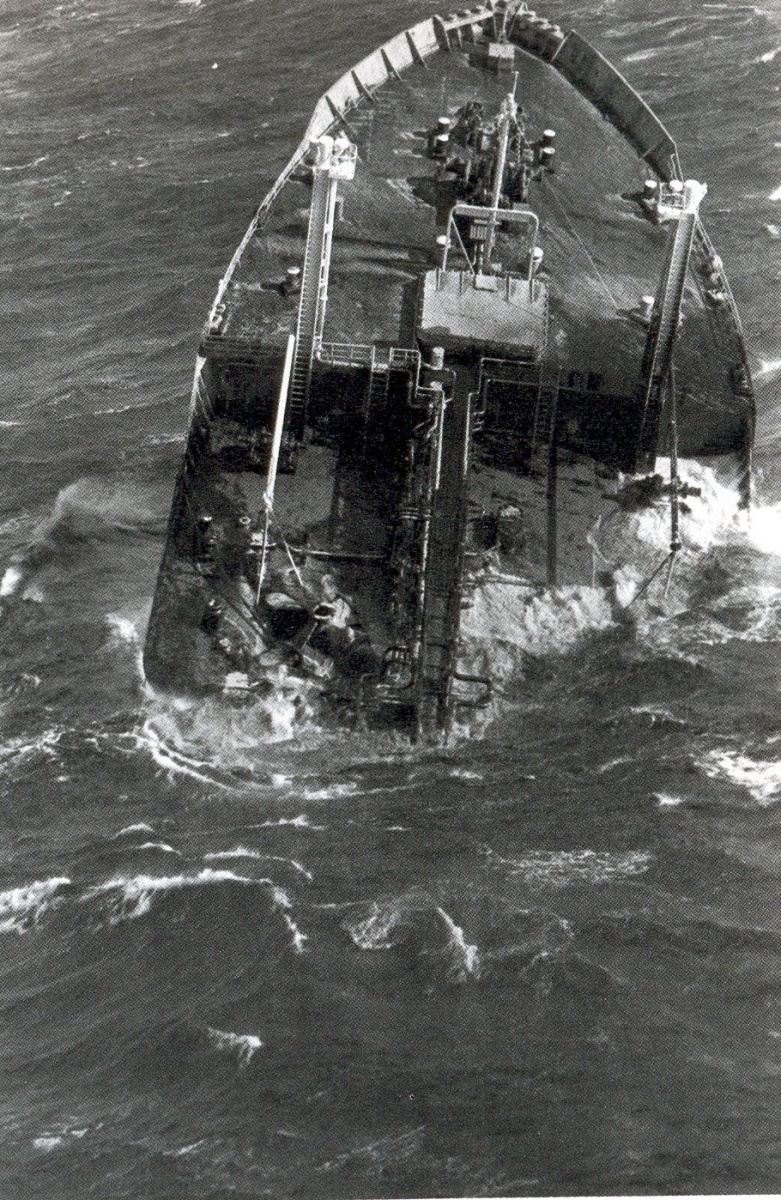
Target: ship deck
(601, 255)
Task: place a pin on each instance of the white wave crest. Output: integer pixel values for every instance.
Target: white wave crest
(299, 938)
(243, 1045)
(466, 960)
(163, 847)
(665, 800)
(258, 856)
(558, 868)
(23, 907)
(302, 821)
(175, 762)
(375, 932)
(140, 827)
(505, 618)
(47, 1142)
(390, 922)
(122, 630)
(761, 778)
(129, 897)
(10, 581)
(18, 750)
(333, 792)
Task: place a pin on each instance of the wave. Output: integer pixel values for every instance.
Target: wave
(19, 750)
(22, 907)
(162, 847)
(377, 931)
(130, 897)
(140, 827)
(560, 868)
(506, 622)
(259, 856)
(761, 778)
(176, 762)
(382, 1154)
(465, 958)
(390, 923)
(334, 791)
(302, 821)
(243, 1045)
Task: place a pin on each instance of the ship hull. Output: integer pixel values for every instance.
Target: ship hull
(401, 523)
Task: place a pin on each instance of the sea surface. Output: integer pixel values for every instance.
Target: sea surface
(244, 956)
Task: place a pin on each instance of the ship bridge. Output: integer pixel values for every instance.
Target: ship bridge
(478, 307)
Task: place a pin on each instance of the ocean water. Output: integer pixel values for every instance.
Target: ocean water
(542, 960)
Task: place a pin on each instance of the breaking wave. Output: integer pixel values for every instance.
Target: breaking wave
(507, 622)
(21, 908)
(761, 778)
(258, 856)
(243, 1045)
(128, 897)
(391, 923)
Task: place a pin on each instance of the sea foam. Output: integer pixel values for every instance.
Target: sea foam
(558, 868)
(761, 778)
(129, 897)
(22, 907)
(243, 1045)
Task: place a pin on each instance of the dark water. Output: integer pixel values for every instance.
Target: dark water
(545, 960)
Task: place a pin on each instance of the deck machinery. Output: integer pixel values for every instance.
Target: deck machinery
(341, 494)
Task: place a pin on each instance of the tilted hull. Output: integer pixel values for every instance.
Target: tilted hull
(445, 428)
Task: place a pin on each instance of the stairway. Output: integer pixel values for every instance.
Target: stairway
(544, 414)
(314, 294)
(376, 394)
(444, 565)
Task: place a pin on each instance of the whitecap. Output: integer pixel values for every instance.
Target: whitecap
(236, 852)
(302, 821)
(299, 938)
(47, 1142)
(257, 855)
(776, 195)
(664, 800)
(163, 848)
(10, 581)
(17, 749)
(466, 960)
(141, 827)
(23, 906)
(332, 792)
(761, 778)
(173, 761)
(462, 773)
(129, 897)
(376, 931)
(243, 1045)
(36, 162)
(122, 630)
(641, 55)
